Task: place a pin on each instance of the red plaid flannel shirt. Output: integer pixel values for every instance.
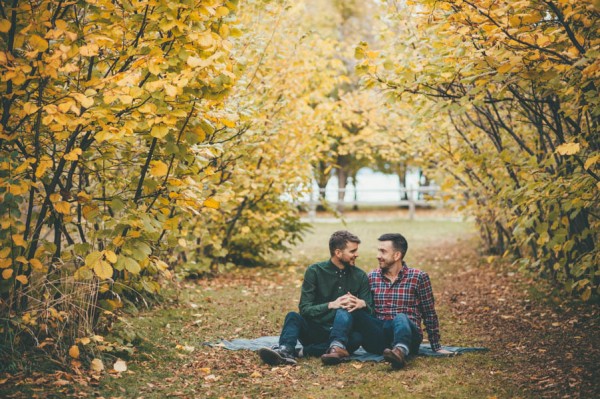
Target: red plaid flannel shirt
(411, 294)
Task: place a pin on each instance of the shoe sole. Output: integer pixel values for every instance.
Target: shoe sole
(394, 360)
(273, 358)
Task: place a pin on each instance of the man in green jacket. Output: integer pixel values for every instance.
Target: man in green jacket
(330, 292)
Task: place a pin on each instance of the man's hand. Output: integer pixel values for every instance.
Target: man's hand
(352, 303)
(348, 302)
(445, 352)
(338, 303)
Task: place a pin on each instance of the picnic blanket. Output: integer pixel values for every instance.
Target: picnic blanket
(360, 354)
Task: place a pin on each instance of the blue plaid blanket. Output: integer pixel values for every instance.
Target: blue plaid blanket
(360, 354)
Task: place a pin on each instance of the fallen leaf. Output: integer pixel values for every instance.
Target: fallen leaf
(97, 365)
(120, 366)
(74, 352)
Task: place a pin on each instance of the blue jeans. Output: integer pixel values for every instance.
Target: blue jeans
(315, 338)
(381, 334)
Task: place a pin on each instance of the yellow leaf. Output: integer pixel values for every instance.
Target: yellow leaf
(222, 12)
(73, 155)
(591, 162)
(7, 273)
(90, 211)
(38, 43)
(18, 240)
(206, 40)
(85, 340)
(30, 108)
(84, 100)
(154, 67)
(211, 203)
(198, 131)
(110, 256)
(170, 90)
(22, 279)
(114, 303)
(103, 270)
(82, 196)
(505, 67)
(36, 264)
(227, 122)
(159, 131)
(89, 50)
(92, 258)
(54, 197)
(197, 62)
(543, 41)
(44, 164)
(74, 352)
(4, 252)
(586, 294)
(568, 148)
(97, 365)
(62, 207)
(4, 25)
(159, 168)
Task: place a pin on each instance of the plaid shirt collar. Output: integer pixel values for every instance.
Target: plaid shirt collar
(402, 273)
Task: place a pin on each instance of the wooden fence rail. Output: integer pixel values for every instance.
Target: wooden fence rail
(424, 196)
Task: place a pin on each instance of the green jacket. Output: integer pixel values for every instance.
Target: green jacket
(323, 283)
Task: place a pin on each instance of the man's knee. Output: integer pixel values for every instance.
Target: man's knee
(360, 314)
(342, 313)
(402, 318)
(293, 316)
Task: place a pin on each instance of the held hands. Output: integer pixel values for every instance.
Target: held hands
(348, 302)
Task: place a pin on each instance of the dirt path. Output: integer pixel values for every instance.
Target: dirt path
(550, 349)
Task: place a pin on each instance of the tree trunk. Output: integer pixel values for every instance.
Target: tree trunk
(342, 181)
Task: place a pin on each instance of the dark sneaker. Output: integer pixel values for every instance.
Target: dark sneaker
(335, 355)
(396, 357)
(276, 356)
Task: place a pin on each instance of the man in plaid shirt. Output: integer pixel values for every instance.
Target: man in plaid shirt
(403, 298)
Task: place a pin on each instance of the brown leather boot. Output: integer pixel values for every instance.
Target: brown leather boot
(335, 355)
(396, 357)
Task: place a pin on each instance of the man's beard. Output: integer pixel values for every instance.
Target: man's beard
(385, 266)
(346, 263)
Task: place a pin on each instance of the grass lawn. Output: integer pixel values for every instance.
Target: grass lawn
(173, 361)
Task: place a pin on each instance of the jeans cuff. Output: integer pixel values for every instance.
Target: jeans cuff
(403, 348)
(338, 344)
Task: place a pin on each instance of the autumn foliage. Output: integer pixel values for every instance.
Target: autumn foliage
(123, 151)
(508, 103)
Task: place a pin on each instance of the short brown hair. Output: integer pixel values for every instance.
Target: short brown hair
(398, 242)
(340, 239)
